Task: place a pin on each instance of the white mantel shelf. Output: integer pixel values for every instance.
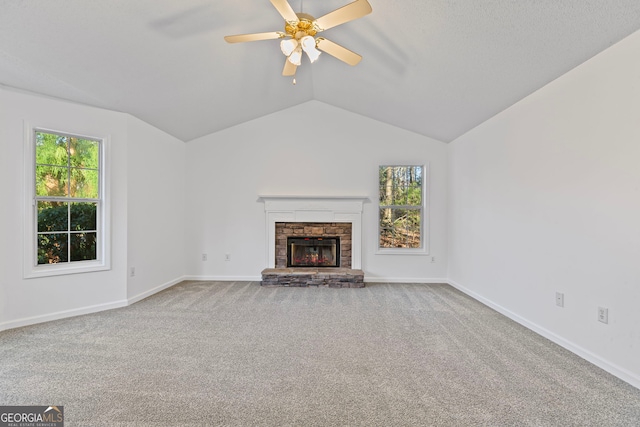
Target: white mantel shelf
(295, 197)
(334, 203)
(291, 208)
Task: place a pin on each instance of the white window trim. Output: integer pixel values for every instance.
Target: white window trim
(424, 222)
(30, 267)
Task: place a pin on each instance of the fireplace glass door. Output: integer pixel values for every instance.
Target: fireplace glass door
(313, 252)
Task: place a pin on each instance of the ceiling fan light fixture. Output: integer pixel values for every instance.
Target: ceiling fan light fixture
(296, 56)
(309, 46)
(313, 55)
(308, 42)
(300, 30)
(288, 46)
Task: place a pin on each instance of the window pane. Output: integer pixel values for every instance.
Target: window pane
(84, 183)
(84, 153)
(52, 248)
(52, 216)
(51, 149)
(83, 216)
(400, 185)
(400, 228)
(83, 246)
(51, 181)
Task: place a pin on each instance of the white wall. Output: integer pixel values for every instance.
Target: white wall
(156, 209)
(545, 197)
(147, 175)
(310, 149)
(35, 300)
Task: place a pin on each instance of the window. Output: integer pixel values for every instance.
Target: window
(401, 213)
(67, 230)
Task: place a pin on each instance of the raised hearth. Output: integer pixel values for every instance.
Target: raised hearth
(304, 277)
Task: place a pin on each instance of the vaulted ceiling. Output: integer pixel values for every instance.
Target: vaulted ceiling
(435, 67)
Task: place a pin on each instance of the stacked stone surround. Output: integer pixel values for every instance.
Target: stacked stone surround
(313, 229)
(322, 277)
(330, 277)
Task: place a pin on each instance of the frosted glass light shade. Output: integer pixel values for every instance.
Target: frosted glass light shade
(308, 42)
(313, 54)
(288, 46)
(296, 56)
(309, 45)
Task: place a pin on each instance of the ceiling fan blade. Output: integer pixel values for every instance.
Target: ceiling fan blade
(289, 68)
(254, 37)
(355, 10)
(334, 49)
(284, 9)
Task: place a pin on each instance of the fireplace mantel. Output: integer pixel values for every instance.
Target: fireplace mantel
(314, 209)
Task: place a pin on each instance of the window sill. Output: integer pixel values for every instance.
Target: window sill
(402, 251)
(60, 270)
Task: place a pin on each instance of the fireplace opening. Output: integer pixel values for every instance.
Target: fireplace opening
(313, 252)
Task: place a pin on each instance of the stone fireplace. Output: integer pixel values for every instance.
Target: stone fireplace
(286, 232)
(332, 255)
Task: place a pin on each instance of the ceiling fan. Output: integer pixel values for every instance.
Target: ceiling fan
(300, 30)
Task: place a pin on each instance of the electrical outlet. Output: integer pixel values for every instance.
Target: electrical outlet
(559, 299)
(204, 257)
(603, 315)
(132, 271)
(227, 257)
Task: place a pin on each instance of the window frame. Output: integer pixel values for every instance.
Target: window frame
(424, 214)
(103, 247)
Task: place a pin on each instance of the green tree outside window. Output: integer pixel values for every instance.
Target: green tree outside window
(67, 180)
(400, 200)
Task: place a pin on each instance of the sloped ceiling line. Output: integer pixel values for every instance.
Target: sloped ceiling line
(434, 67)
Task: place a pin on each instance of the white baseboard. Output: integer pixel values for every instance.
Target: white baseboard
(225, 278)
(155, 290)
(373, 279)
(612, 368)
(26, 321)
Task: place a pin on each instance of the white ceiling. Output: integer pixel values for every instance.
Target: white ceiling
(435, 67)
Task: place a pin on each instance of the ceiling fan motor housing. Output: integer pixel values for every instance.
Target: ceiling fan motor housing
(305, 26)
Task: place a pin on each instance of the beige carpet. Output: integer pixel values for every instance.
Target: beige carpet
(237, 354)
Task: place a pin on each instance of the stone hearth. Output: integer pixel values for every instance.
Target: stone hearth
(304, 277)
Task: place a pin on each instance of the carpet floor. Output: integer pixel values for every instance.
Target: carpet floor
(238, 354)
